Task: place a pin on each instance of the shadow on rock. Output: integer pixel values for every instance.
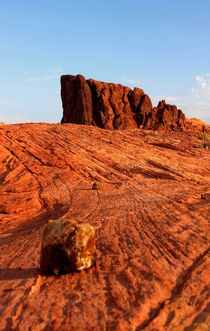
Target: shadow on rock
(18, 273)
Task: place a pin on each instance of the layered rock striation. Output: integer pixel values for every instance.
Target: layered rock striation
(114, 106)
(146, 194)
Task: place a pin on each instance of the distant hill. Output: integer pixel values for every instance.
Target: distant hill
(198, 124)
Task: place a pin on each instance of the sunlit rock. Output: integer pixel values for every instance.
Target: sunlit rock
(67, 246)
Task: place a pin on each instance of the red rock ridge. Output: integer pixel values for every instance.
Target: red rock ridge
(114, 106)
(166, 116)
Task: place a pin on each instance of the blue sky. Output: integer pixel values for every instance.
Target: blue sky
(162, 46)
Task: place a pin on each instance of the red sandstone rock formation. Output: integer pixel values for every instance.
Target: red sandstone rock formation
(199, 126)
(77, 100)
(167, 117)
(141, 190)
(114, 106)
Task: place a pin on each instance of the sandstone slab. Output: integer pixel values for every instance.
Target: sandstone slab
(152, 268)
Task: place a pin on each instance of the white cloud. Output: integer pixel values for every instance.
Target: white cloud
(203, 86)
(168, 98)
(55, 70)
(9, 119)
(41, 78)
(8, 103)
(52, 73)
(197, 102)
(203, 81)
(10, 110)
(7, 86)
(133, 82)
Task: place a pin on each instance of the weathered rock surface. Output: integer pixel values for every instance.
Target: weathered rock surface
(199, 126)
(67, 246)
(206, 196)
(77, 100)
(114, 106)
(166, 117)
(152, 267)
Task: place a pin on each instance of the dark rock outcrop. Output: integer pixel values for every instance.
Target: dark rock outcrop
(166, 116)
(77, 100)
(106, 105)
(114, 106)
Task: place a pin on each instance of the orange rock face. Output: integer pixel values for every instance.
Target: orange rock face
(114, 106)
(166, 117)
(152, 267)
(199, 126)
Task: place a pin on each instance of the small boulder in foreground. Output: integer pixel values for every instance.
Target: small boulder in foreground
(67, 246)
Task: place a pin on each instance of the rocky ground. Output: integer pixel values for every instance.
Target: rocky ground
(152, 267)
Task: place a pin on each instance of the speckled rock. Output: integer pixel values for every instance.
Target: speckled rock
(67, 246)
